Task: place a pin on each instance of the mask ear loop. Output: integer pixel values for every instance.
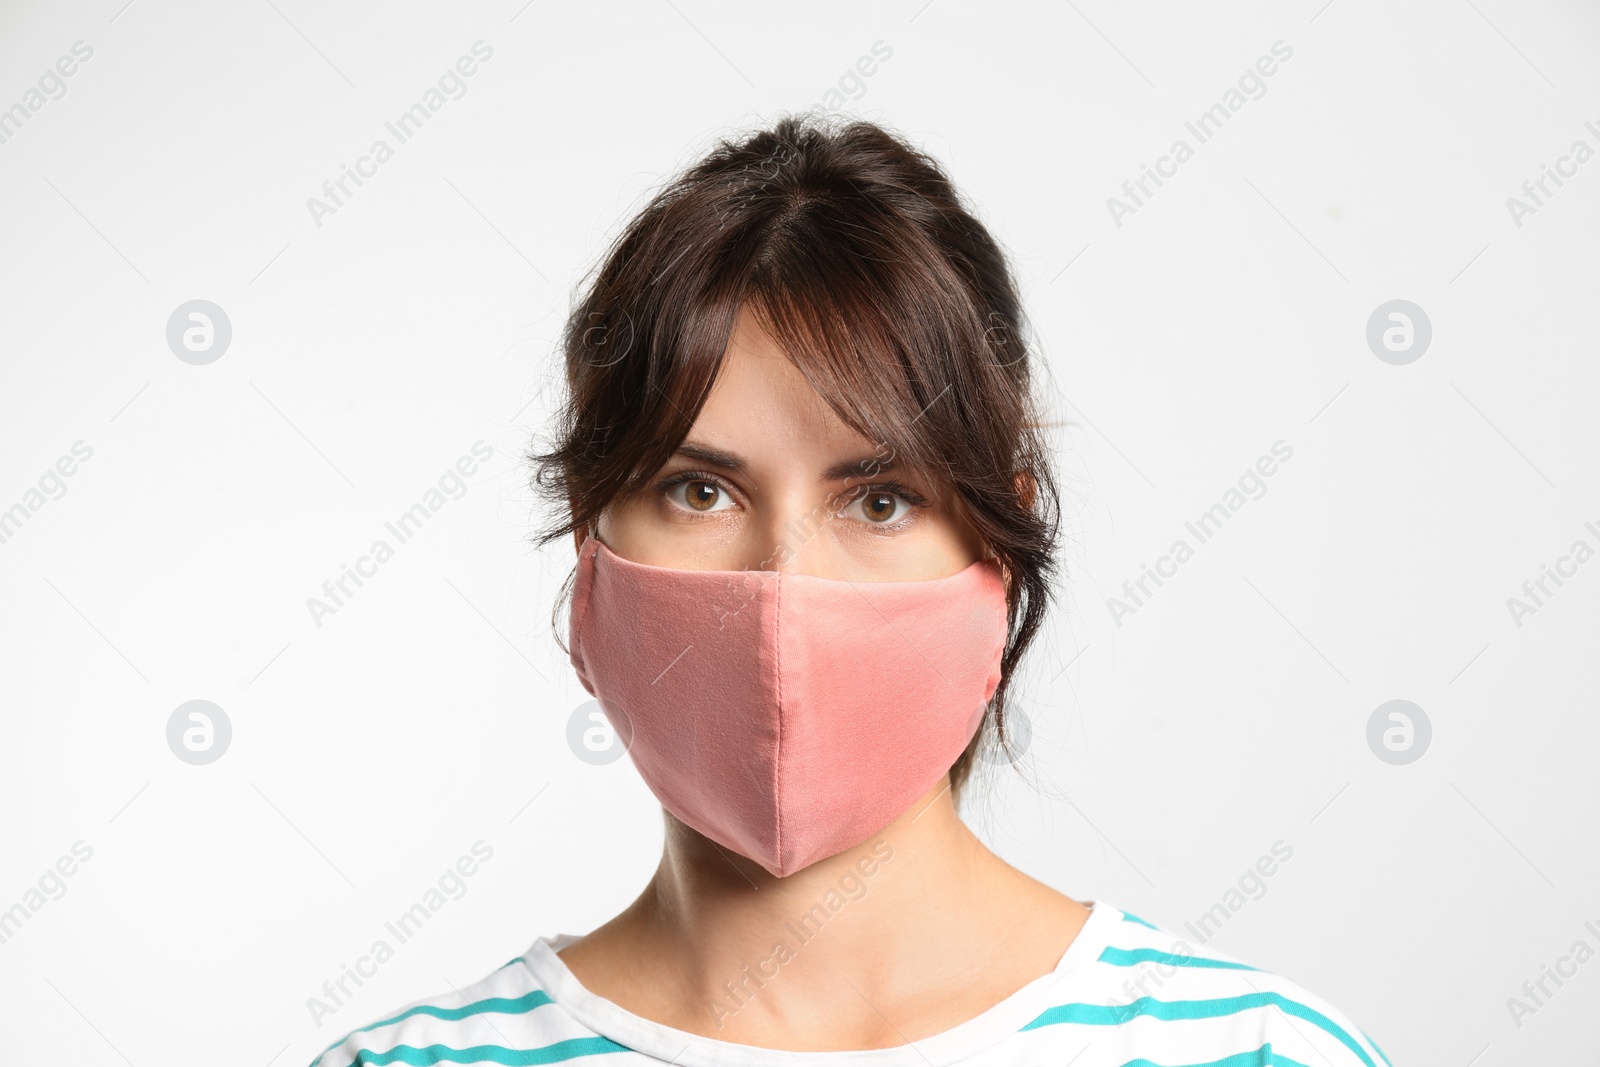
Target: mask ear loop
(1005, 572)
(589, 534)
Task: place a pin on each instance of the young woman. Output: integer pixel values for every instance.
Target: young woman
(815, 527)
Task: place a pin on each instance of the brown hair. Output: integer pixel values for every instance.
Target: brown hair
(858, 255)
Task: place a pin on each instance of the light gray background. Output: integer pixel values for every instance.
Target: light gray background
(430, 711)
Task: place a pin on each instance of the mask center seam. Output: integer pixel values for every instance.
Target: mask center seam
(777, 670)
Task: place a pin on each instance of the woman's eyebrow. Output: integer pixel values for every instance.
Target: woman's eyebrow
(858, 468)
(732, 461)
(716, 457)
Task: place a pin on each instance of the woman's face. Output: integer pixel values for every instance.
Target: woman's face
(769, 478)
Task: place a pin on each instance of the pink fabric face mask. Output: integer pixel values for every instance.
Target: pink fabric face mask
(784, 716)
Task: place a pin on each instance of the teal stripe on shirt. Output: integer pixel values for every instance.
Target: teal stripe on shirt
(1374, 1044)
(1127, 918)
(559, 1052)
(1127, 957)
(499, 1005)
(1261, 1057)
(1114, 1015)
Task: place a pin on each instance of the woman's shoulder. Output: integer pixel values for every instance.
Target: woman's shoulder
(505, 1014)
(1156, 987)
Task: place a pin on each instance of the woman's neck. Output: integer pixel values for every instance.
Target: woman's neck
(917, 929)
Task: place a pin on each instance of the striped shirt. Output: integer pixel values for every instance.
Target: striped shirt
(1125, 994)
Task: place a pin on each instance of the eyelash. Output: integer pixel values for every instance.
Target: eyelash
(909, 495)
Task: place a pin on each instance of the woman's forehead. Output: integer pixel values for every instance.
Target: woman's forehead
(760, 398)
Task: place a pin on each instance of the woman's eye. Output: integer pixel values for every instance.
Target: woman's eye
(877, 507)
(700, 496)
